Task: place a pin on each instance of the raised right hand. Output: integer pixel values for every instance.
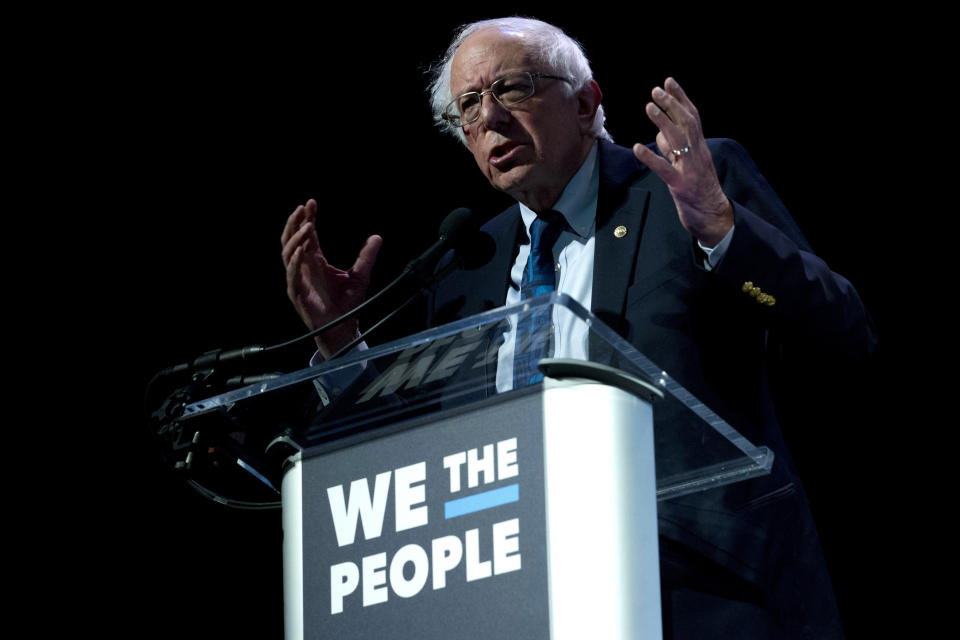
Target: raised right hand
(319, 291)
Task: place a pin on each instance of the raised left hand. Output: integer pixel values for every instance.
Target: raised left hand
(686, 166)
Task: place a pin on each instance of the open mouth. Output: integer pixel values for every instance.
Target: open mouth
(504, 154)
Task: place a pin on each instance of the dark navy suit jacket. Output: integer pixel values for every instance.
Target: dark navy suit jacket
(752, 544)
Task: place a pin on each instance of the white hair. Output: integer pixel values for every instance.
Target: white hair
(556, 51)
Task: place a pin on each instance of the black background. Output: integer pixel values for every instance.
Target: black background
(188, 139)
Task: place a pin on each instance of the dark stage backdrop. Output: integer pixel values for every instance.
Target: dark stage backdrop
(220, 125)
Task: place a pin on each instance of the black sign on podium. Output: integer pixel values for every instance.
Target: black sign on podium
(426, 494)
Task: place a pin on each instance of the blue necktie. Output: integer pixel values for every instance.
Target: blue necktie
(534, 335)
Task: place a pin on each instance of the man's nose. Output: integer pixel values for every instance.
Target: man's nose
(492, 113)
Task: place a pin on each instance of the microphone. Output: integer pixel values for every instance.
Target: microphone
(460, 224)
(211, 359)
(457, 226)
(221, 369)
(471, 247)
(472, 255)
(473, 250)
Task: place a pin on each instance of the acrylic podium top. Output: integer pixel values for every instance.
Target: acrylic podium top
(473, 360)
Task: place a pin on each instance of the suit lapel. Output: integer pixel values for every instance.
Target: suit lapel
(508, 234)
(621, 217)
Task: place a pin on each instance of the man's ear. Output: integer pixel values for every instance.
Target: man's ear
(588, 101)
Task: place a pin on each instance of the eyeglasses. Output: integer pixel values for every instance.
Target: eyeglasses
(510, 90)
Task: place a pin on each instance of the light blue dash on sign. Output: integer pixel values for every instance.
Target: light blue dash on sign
(481, 501)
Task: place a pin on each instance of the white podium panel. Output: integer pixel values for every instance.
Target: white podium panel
(532, 517)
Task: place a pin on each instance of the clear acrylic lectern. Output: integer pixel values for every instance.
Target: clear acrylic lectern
(426, 494)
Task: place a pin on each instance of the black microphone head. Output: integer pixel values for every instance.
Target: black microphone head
(457, 222)
(454, 227)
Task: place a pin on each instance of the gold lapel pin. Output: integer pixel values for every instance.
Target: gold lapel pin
(620, 231)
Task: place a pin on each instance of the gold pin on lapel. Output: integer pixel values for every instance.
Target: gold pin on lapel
(620, 231)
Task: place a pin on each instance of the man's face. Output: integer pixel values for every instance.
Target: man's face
(533, 149)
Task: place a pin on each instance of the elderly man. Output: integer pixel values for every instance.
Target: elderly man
(687, 253)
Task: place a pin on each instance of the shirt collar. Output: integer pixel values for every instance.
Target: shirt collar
(578, 202)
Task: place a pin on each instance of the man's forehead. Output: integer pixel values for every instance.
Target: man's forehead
(489, 52)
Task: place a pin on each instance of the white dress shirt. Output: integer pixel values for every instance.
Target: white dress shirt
(573, 257)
